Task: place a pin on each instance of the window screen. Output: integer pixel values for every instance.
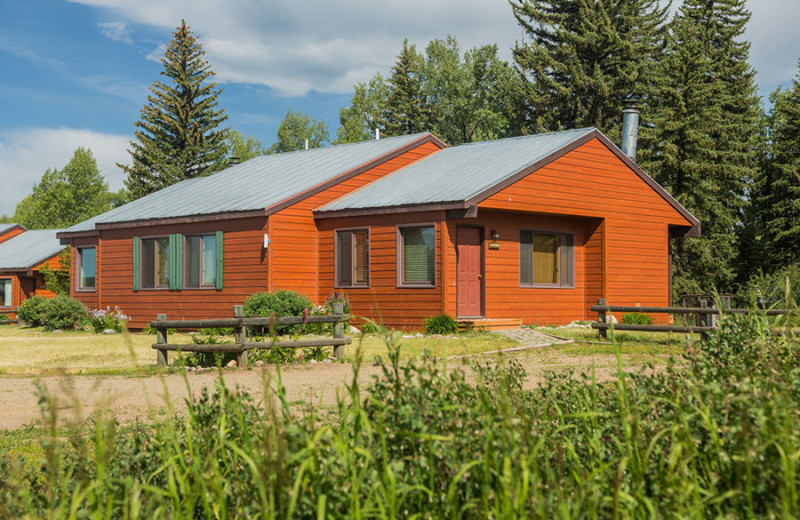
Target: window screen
(352, 258)
(418, 264)
(87, 268)
(546, 259)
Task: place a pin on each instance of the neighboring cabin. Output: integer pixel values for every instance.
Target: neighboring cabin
(22, 255)
(523, 230)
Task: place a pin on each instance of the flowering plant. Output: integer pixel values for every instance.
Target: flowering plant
(108, 318)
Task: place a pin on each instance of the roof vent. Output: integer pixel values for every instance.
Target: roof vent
(630, 127)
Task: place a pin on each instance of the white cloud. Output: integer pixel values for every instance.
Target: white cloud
(117, 31)
(294, 47)
(26, 154)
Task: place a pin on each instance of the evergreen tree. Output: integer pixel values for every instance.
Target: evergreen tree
(781, 186)
(359, 121)
(583, 58)
(700, 136)
(244, 147)
(407, 110)
(65, 197)
(178, 136)
(295, 129)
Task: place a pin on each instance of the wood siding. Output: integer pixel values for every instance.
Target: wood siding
(294, 250)
(244, 273)
(591, 182)
(383, 301)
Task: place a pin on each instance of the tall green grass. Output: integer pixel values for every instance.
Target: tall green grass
(712, 436)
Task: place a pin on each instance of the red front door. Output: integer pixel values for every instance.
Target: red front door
(469, 271)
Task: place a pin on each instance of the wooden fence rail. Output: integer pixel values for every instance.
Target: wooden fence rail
(6, 321)
(703, 314)
(241, 345)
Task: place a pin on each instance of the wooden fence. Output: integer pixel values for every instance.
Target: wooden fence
(241, 344)
(704, 318)
(4, 321)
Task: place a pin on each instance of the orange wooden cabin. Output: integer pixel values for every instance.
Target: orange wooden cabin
(23, 253)
(500, 233)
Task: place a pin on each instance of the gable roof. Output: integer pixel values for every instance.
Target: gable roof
(259, 186)
(461, 176)
(29, 249)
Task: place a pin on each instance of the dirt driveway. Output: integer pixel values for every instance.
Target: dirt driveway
(77, 397)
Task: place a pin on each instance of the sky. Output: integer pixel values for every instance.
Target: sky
(76, 72)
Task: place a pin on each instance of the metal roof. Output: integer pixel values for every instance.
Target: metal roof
(29, 249)
(5, 228)
(458, 173)
(255, 184)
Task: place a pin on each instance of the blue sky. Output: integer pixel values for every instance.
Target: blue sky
(76, 73)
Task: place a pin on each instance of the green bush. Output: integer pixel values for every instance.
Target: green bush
(441, 324)
(63, 312)
(31, 310)
(281, 303)
(637, 318)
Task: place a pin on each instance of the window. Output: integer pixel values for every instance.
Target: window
(155, 263)
(352, 258)
(200, 256)
(546, 259)
(417, 256)
(5, 292)
(87, 258)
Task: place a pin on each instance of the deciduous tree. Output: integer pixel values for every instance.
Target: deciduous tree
(295, 128)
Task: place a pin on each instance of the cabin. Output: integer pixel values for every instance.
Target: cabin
(23, 254)
(525, 230)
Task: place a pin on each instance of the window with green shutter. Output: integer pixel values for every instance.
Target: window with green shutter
(416, 256)
(156, 262)
(200, 262)
(546, 259)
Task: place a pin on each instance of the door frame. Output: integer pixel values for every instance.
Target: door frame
(482, 237)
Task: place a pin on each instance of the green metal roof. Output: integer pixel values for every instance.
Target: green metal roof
(29, 249)
(252, 185)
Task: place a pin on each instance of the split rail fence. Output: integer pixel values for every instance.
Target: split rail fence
(241, 344)
(4, 320)
(705, 320)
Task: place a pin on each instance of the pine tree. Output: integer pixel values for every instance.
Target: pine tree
(359, 121)
(178, 136)
(295, 129)
(700, 136)
(584, 58)
(781, 197)
(407, 110)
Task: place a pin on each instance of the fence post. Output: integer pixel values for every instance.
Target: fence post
(161, 337)
(240, 336)
(338, 330)
(601, 317)
(703, 319)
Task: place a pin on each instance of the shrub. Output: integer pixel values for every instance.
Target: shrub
(637, 318)
(31, 310)
(441, 324)
(108, 318)
(208, 359)
(63, 312)
(281, 303)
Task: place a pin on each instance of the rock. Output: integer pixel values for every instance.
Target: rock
(354, 330)
(610, 318)
(437, 336)
(313, 362)
(327, 361)
(109, 331)
(198, 367)
(231, 364)
(190, 369)
(260, 363)
(58, 331)
(408, 336)
(419, 335)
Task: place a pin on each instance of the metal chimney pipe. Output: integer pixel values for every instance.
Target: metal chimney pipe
(377, 134)
(306, 144)
(630, 127)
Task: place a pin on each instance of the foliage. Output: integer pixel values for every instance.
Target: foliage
(58, 280)
(359, 121)
(440, 324)
(62, 312)
(279, 303)
(637, 318)
(712, 435)
(780, 288)
(108, 318)
(244, 147)
(581, 60)
(31, 310)
(208, 359)
(701, 136)
(65, 197)
(407, 110)
(178, 135)
(293, 131)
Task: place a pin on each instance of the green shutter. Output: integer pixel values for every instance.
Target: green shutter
(136, 263)
(525, 258)
(219, 259)
(177, 255)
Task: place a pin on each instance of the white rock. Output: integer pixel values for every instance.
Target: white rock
(260, 363)
(419, 335)
(109, 331)
(198, 367)
(313, 362)
(327, 361)
(610, 318)
(58, 331)
(355, 330)
(231, 364)
(408, 336)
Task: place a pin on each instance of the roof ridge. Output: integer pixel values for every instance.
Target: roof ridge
(528, 136)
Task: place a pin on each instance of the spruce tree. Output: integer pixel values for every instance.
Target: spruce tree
(781, 195)
(700, 136)
(178, 136)
(407, 109)
(583, 58)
